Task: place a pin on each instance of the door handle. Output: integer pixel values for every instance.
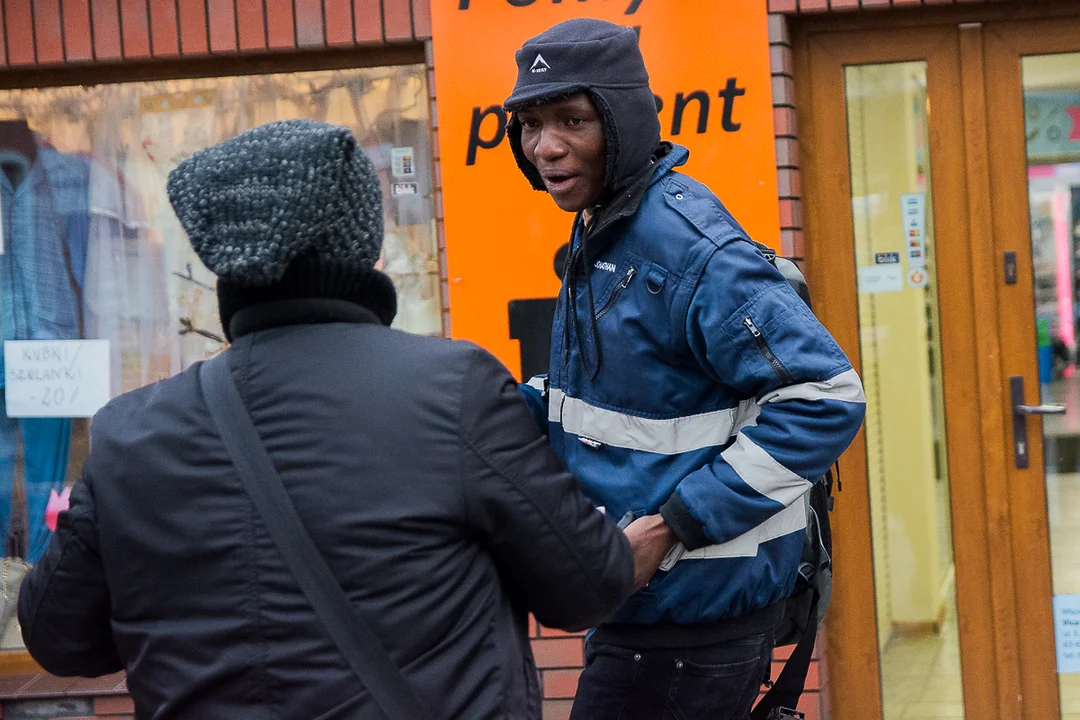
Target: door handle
(1039, 409)
(1021, 412)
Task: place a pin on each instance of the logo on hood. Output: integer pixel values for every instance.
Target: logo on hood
(540, 65)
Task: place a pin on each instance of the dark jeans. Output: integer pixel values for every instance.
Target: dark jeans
(716, 682)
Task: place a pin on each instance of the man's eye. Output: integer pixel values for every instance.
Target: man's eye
(575, 121)
(529, 124)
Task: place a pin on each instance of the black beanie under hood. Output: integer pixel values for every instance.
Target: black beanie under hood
(603, 60)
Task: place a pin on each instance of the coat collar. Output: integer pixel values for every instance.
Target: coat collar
(668, 156)
(309, 311)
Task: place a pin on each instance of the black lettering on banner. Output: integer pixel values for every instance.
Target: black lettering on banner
(681, 102)
(521, 3)
(475, 141)
(729, 93)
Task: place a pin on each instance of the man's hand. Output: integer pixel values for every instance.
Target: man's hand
(651, 539)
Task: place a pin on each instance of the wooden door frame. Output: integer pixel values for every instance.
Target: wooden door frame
(1006, 43)
(925, 16)
(991, 677)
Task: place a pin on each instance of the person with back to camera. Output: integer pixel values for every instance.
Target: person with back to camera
(412, 463)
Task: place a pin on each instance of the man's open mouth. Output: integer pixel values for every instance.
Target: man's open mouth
(558, 182)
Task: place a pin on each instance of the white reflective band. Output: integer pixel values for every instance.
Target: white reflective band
(790, 519)
(845, 387)
(537, 382)
(665, 437)
(691, 432)
(761, 471)
(746, 417)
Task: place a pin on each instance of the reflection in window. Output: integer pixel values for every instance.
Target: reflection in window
(1052, 113)
(91, 248)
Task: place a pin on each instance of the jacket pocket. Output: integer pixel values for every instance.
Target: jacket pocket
(762, 345)
(715, 692)
(620, 288)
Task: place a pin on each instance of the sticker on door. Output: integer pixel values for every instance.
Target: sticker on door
(918, 277)
(1067, 632)
(875, 279)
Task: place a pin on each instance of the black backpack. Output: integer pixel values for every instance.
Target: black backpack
(809, 601)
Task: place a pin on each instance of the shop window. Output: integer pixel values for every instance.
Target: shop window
(95, 268)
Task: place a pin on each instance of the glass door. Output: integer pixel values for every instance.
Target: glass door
(1033, 82)
(890, 252)
(900, 344)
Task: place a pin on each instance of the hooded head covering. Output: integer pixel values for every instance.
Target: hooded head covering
(604, 61)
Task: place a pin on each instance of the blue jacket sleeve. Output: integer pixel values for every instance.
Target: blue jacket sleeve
(748, 328)
(535, 394)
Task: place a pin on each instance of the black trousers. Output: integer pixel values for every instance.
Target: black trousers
(716, 682)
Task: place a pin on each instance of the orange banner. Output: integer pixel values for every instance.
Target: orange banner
(708, 63)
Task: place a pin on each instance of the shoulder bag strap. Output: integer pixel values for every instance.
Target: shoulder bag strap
(353, 636)
(783, 697)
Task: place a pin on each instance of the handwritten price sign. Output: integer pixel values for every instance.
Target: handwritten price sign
(56, 378)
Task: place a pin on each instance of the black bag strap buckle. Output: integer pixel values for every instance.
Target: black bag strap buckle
(786, 714)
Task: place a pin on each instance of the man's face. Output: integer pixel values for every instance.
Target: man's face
(564, 139)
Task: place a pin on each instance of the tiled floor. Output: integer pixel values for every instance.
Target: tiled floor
(921, 675)
(1063, 499)
(1070, 697)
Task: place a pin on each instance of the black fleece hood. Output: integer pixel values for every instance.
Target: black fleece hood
(603, 60)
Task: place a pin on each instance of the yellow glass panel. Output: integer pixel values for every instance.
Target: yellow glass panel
(888, 117)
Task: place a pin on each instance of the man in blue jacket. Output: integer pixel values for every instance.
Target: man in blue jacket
(690, 389)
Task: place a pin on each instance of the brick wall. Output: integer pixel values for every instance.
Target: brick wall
(43, 33)
(811, 6)
(787, 146)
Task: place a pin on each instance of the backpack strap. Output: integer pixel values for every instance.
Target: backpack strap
(349, 630)
(783, 697)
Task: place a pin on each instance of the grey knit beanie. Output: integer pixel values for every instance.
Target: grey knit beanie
(292, 189)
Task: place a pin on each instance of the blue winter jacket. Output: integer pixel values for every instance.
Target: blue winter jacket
(719, 401)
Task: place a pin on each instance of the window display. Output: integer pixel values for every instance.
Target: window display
(90, 250)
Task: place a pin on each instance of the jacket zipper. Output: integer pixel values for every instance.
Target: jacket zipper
(623, 284)
(767, 353)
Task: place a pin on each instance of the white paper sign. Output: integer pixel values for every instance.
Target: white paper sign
(1067, 632)
(913, 213)
(875, 279)
(56, 378)
(402, 162)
